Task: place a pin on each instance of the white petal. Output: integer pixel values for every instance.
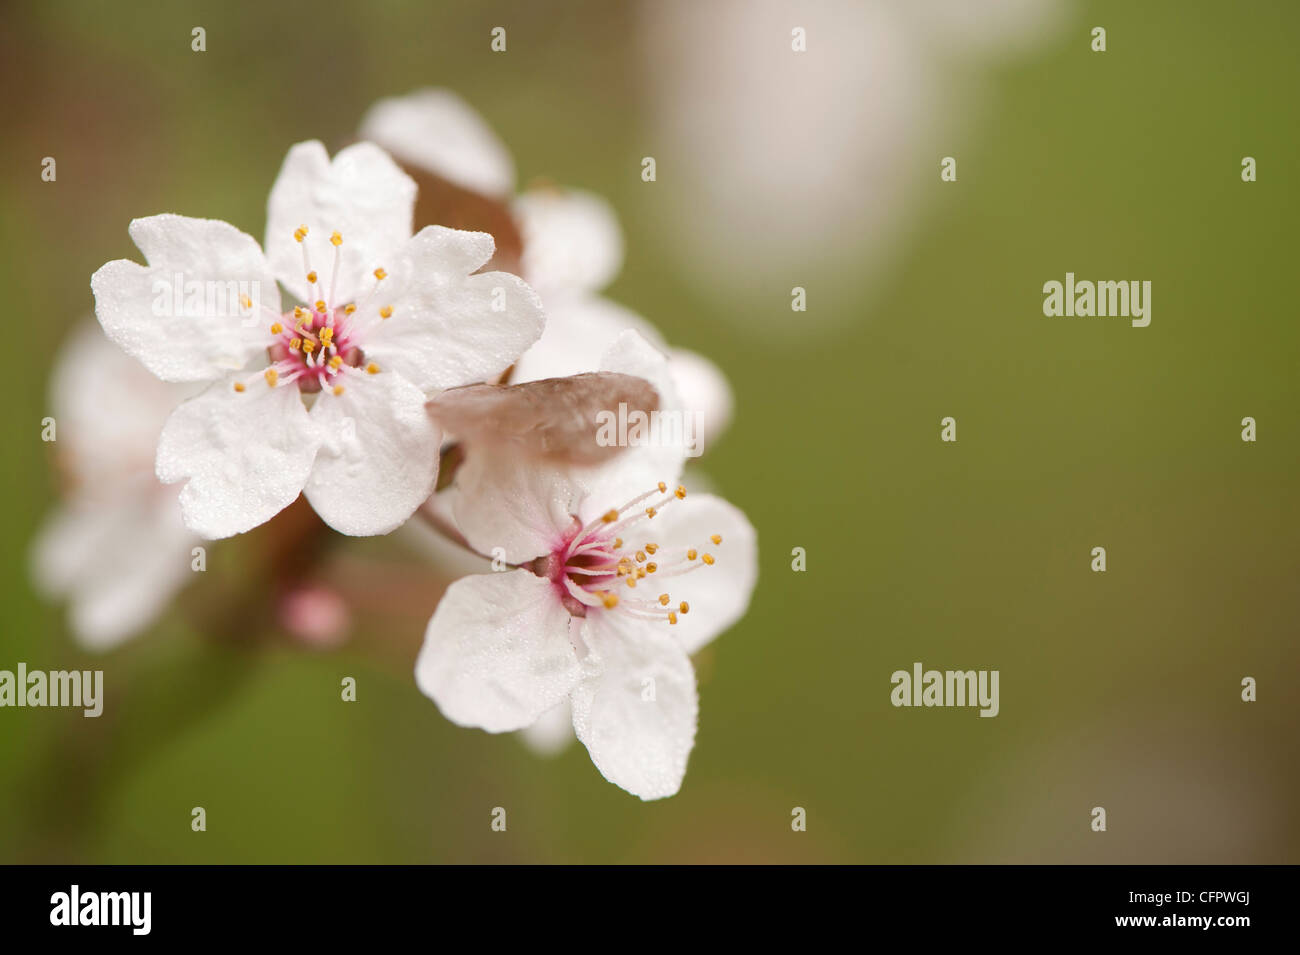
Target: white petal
(378, 459)
(718, 595)
(497, 654)
(649, 458)
(118, 561)
(579, 331)
(449, 327)
(636, 709)
(362, 195)
(181, 315)
(524, 508)
(110, 410)
(572, 241)
(436, 130)
(552, 733)
(246, 455)
(705, 396)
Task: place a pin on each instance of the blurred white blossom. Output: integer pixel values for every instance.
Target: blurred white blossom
(115, 547)
(780, 168)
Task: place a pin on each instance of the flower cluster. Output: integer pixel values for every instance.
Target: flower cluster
(350, 357)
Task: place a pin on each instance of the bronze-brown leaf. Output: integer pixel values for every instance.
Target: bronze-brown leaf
(554, 418)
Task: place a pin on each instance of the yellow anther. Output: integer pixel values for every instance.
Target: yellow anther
(239, 386)
(680, 492)
(245, 302)
(272, 376)
(651, 548)
(631, 580)
(663, 599)
(640, 556)
(308, 347)
(609, 600)
(372, 369)
(609, 517)
(276, 328)
(295, 344)
(672, 617)
(299, 312)
(691, 554)
(300, 233)
(320, 305)
(386, 312)
(335, 362)
(650, 512)
(618, 542)
(684, 607)
(662, 487)
(381, 274)
(338, 389)
(708, 559)
(327, 334)
(335, 239)
(311, 277)
(348, 310)
(640, 572)
(651, 567)
(716, 538)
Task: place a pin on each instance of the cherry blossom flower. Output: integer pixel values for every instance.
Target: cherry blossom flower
(573, 248)
(325, 398)
(115, 547)
(616, 575)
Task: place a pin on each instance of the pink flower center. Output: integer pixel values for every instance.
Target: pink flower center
(601, 566)
(312, 348)
(315, 346)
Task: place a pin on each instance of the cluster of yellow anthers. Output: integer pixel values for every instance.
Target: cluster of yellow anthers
(323, 338)
(633, 566)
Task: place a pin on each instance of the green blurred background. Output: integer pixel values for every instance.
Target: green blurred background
(1119, 690)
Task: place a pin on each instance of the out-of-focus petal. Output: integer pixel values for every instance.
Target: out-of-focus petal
(119, 563)
(552, 733)
(705, 395)
(572, 241)
(436, 130)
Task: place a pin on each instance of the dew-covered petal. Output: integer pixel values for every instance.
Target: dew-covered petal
(244, 455)
(378, 458)
(496, 654)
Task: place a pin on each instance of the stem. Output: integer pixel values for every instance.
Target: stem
(443, 526)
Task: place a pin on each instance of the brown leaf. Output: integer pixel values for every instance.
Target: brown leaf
(554, 419)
